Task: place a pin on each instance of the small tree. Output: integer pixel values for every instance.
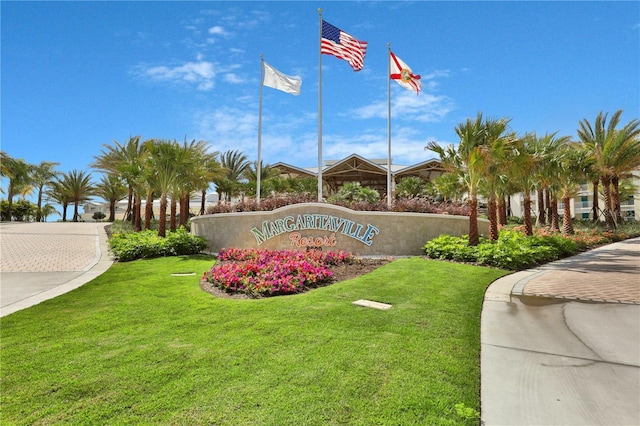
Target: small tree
(353, 192)
(411, 187)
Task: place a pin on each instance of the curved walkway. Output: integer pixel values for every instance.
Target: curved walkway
(39, 261)
(560, 344)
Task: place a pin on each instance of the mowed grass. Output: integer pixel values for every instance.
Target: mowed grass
(139, 346)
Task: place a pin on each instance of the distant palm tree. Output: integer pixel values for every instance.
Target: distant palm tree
(164, 162)
(78, 185)
(234, 162)
(111, 189)
(43, 175)
(612, 152)
(61, 194)
(18, 172)
(550, 150)
(571, 171)
(212, 170)
(48, 210)
(251, 175)
(523, 163)
(497, 146)
(126, 161)
(468, 161)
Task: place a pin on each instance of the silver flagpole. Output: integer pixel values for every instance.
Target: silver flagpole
(320, 108)
(259, 165)
(389, 129)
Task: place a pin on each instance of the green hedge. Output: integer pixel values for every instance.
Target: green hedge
(512, 250)
(147, 244)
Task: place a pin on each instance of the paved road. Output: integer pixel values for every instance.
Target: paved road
(561, 343)
(39, 261)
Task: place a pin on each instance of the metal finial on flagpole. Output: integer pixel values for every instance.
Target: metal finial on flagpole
(320, 11)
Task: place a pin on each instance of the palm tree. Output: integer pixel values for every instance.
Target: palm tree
(251, 175)
(411, 187)
(165, 161)
(47, 210)
(18, 172)
(60, 193)
(234, 163)
(468, 161)
(43, 175)
(497, 145)
(612, 151)
(627, 160)
(212, 170)
(78, 185)
(112, 189)
(523, 163)
(571, 172)
(549, 150)
(125, 160)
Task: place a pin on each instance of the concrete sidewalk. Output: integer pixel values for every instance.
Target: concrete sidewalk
(560, 344)
(39, 261)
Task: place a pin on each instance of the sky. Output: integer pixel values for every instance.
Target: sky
(78, 75)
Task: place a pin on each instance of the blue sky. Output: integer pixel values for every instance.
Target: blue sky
(77, 75)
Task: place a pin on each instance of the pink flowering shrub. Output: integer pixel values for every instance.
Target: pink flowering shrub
(272, 272)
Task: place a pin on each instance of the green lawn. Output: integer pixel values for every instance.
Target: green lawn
(139, 346)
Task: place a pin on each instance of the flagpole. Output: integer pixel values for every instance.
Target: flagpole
(389, 128)
(320, 107)
(259, 165)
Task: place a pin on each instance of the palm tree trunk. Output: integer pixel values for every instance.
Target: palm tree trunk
(128, 214)
(596, 200)
(136, 214)
(550, 207)
(203, 201)
(555, 225)
(64, 211)
(606, 189)
(567, 223)
(615, 195)
(184, 210)
(474, 237)
(493, 218)
(172, 220)
(162, 221)
(502, 211)
(75, 211)
(542, 219)
(112, 210)
(528, 225)
(39, 206)
(148, 211)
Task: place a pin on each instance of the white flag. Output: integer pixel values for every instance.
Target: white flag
(402, 74)
(277, 80)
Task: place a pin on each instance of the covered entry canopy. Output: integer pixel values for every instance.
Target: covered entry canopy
(369, 173)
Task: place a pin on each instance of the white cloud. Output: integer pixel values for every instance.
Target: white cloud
(201, 73)
(217, 30)
(233, 78)
(406, 105)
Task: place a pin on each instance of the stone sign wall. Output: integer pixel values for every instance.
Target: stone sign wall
(329, 227)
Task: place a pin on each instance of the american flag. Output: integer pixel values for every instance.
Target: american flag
(342, 45)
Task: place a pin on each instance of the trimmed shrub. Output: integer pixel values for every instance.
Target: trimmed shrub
(147, 244)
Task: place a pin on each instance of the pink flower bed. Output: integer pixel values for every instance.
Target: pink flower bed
(272, 272)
